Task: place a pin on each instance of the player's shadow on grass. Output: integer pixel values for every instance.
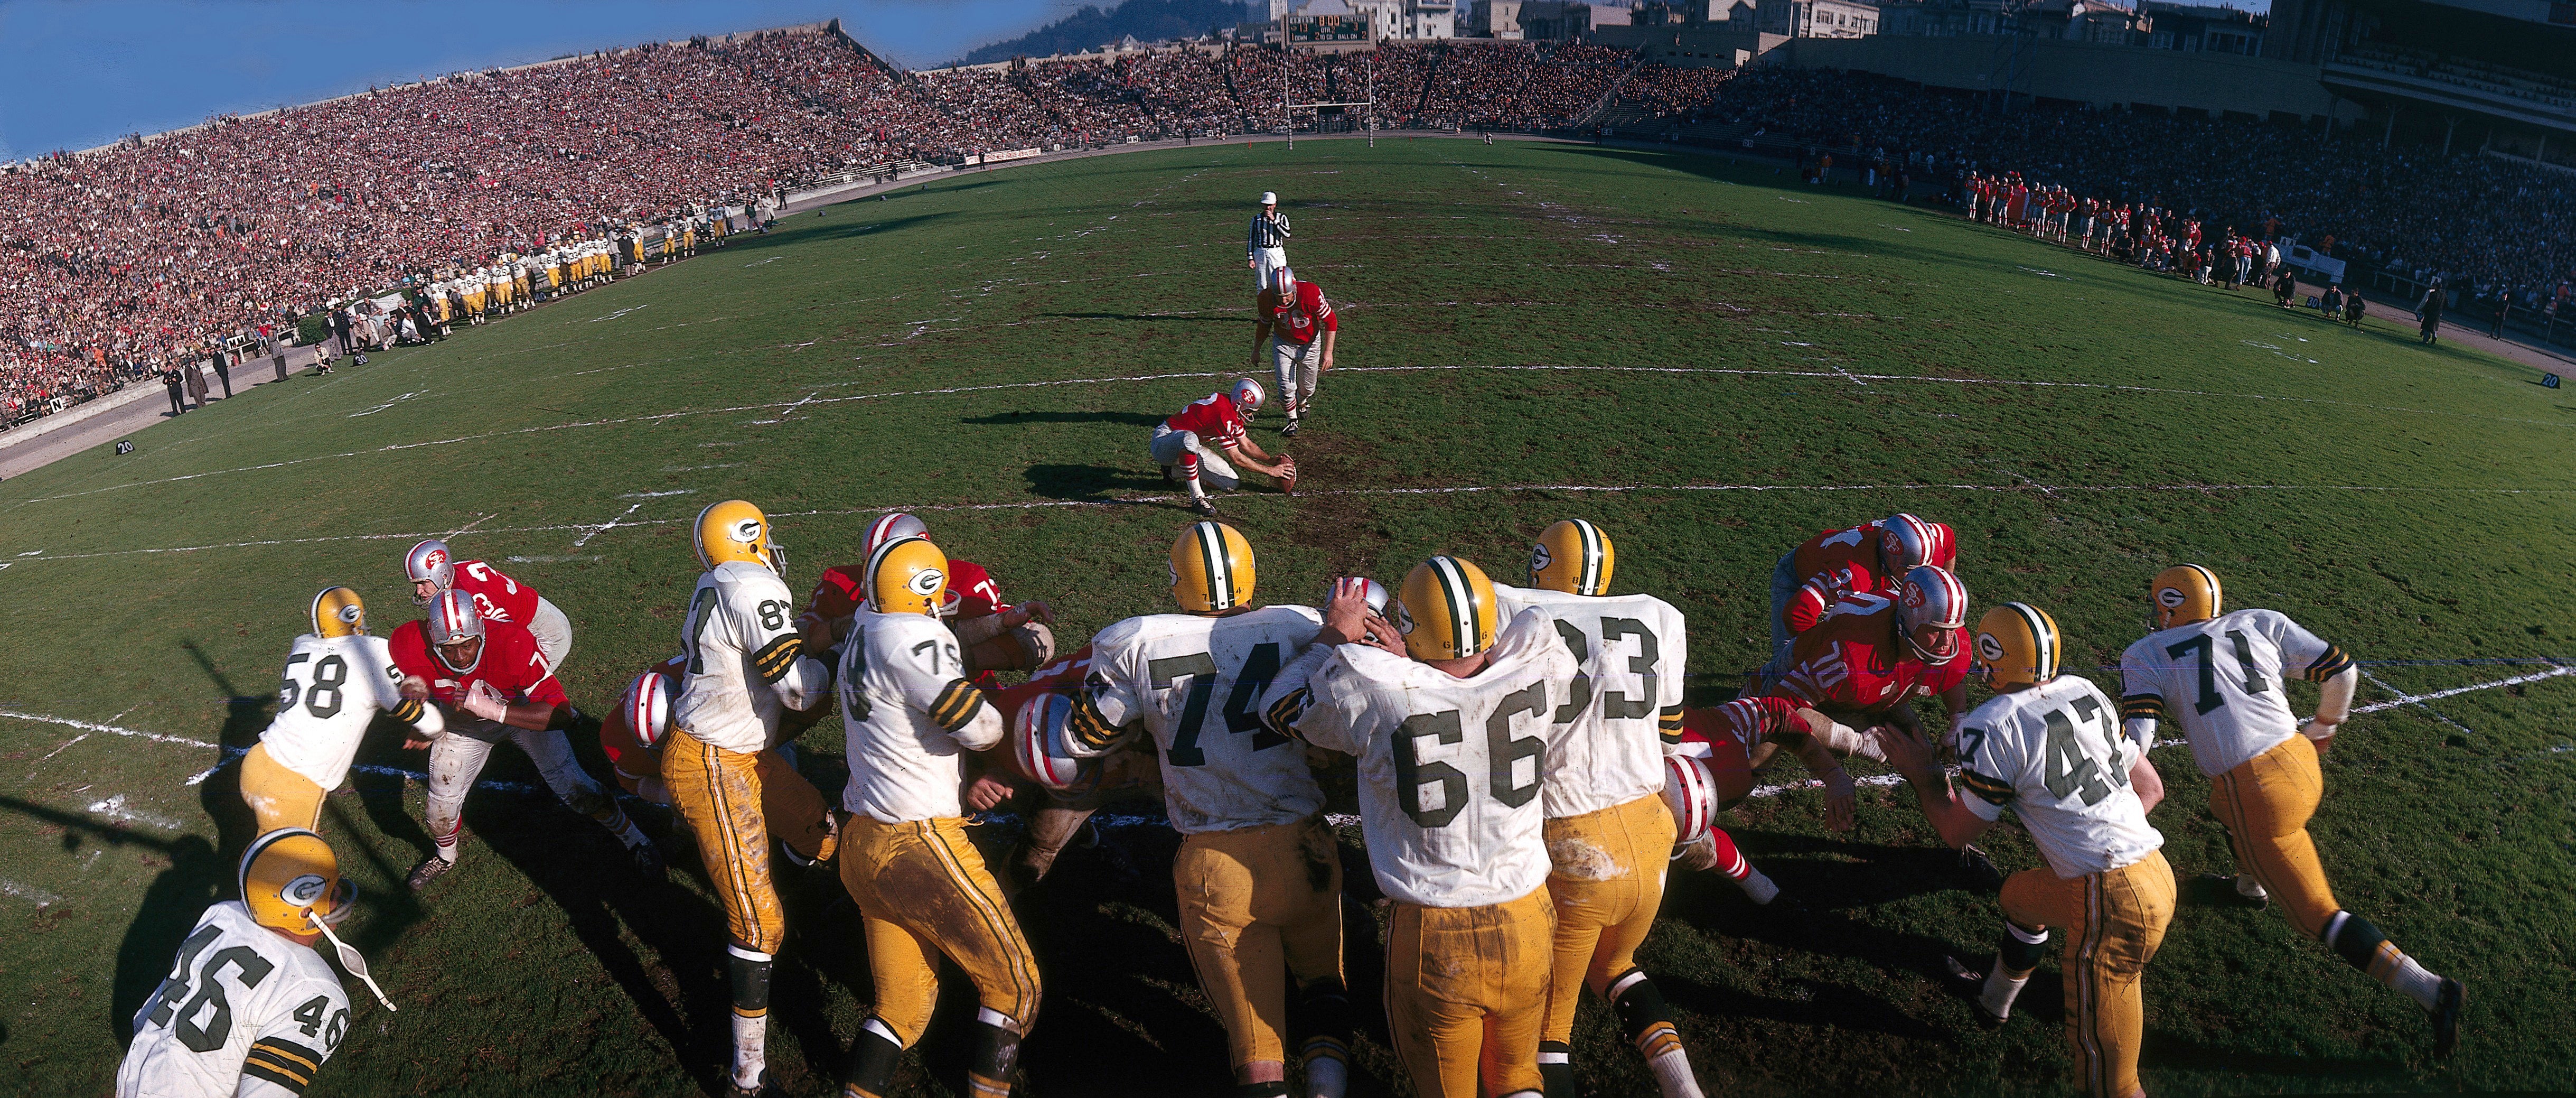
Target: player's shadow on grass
(194, 877)
(1092, 482)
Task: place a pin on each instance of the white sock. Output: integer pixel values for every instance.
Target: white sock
(750, 1049)
(1673, 1073)
(1758, 886)
(2420, 985)
(2000, 991)
(1327, 1077)
(2250, 888)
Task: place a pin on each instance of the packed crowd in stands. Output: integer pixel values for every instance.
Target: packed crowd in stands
(116, 262)
(2486, 225)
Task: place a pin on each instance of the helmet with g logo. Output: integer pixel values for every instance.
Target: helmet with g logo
(907, 576)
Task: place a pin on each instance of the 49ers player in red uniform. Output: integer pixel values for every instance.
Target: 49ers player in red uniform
(1866, 662)
(1053, 805)
(1871, 558)
(1301, 328)
(432, 567)
(632, 735)
(495, 685)
(1193, 445)
(1723, 739)
(993, 635)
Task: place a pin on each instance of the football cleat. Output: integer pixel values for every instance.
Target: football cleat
(430, 560)
(1572, 556)
(1445, 610)
(1212, 568)
(453, 619)
(430, 869)
(1041, 741)
(1932, 599)
(896, 525)
(1905, 542)
(2223, 887)
(2183, 594)
(1290, 431)
(648, 861)
(907, 576)
(1972, 984)
(647, 705)
(734, 530)
(2447, 1007)
(338, 613)
(1203, 506)
(1691, 795)
(1248, 396)
(2017, 645)
(290, 879)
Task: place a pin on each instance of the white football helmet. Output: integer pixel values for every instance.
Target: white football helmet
(1248, 396)
(452, 618)
(1932, 598)
(430, 560)
(894, 525)
(1039, 737)
(647, 706)
(1376, 595)
(1691, 795)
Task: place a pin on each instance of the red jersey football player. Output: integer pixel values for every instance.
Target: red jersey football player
(1723, 740)
(992, 635)
(632, 735)
(1057, 802)
(432, 567)
(1198, 446)
(1867, 661)
(494, 684)
(1871, 558)
(1301, 328)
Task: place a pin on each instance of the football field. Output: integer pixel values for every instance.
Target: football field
(1708, 360)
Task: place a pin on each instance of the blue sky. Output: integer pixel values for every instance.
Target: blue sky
(77, 74)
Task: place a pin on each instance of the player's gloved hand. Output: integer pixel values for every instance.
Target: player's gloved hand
(482, 700)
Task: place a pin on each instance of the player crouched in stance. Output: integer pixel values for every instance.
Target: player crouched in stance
(2051, 748)
(1193, 445)
(2223, 676)
(337, 678)
(1258, 876)
(1464, 711)
(1609, 835)
(747, 670)
(495, 685)
(634, 734)
(250, 1009)
(921, 886)
(1712, 770)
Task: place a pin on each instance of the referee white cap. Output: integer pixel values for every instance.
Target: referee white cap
(1269, 199)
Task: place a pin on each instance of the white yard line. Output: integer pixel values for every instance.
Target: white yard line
(92, 726)
(604, 527)
(39, 896)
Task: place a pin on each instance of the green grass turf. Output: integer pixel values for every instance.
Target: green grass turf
(2082, 425)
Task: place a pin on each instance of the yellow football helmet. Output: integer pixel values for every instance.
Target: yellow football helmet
(735, 530)
(338, 613)
(1446, 610)
(907, 576)
(2183, 594)
(1211, 568)
(1572, 556)
(2017, 645)
(290, 874)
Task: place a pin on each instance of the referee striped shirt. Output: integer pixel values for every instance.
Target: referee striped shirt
(1269, 230)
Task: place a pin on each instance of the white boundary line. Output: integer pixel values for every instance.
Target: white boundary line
(1837, 373)
(92, 726)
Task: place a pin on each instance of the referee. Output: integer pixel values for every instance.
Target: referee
(1265, 248)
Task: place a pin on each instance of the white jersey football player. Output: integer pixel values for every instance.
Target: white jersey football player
(2051, 748)
(747, 668)
(1258, 874)
(1452, 739)
(250, 1009)
(1609, 835)
(923, 891)
(2224, 677)
(337, 678)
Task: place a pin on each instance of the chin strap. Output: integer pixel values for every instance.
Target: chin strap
(350, 959)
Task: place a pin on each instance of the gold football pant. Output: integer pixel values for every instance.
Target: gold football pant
(2112, 923)
(720, 794)
(278, 797)
(2266, 802)
(922, 892)
(1606, 880)
(1466, 989)
(1257, 905)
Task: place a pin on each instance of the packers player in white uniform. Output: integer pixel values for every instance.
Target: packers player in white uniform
(2051, 748)
(922, 888)
(1452, 743)
(1609, 835)
(2224, 676)
(747, 668)
(250, 1009)
(337, 678)
(1258, 877)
